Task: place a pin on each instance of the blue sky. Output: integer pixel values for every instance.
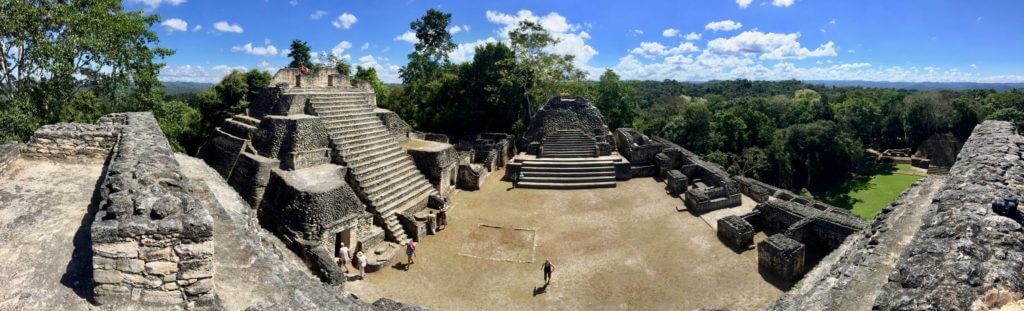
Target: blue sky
(905, 40)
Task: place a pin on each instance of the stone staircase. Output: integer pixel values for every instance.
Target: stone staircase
(568, 173)
(385, 175)
(568, 144)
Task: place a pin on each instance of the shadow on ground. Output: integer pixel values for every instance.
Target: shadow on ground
(78, 274)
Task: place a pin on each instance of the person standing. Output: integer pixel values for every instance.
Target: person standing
(548, 269)
(519, 178)
(343, 256)
(410, 251)
(442, 219)
(361, 260)
(431, 223)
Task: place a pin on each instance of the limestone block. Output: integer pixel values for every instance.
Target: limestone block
(782, 256)
(161, 297)
(131, 265)
(161, 268)
(736, 232)
(677, 182)
(199, 287)
(157, 253)
(128, 249)
(191, 251)
(104, 276)
(196, 269)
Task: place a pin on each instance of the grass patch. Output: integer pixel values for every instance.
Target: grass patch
(869, 193)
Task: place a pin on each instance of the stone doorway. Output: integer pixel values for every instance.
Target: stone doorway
(345, 236)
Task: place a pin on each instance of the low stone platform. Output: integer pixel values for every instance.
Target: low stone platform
(568, 173)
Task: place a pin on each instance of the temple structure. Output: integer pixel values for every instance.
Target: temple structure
(568, 146)
(324, 166)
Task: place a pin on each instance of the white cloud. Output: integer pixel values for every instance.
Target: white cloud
(340, 48)
(365, 46)
(653, 49)
(783, 3)
(190, 73)
(224, 26)
(572, 38)
(464, 52)
(973, 66)
(175, 24)
(197, 28)
(248, 48)
(832, 22)
(387, 72)
(317, 15)
(744, 3)
(671, 32)
(153, 4)
(693, 36)
(345, 20)
(637, 32)
(457, 29)
(408, 36)
(293, 2)
(770, 46)
(724, 25)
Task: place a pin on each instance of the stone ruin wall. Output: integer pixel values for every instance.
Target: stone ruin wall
(72, 142)
(9, 152)
(572, 113)
(640, 150)
(964, 256)
(152, 241)
(397, 128)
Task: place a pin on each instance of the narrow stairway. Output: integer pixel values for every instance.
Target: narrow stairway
(385, 174)
(568, 144)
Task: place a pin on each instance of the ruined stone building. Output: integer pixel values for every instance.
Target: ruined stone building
(568, 146)
(705, 186)
(324, 166)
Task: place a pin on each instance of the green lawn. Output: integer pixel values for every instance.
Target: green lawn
(865, 195)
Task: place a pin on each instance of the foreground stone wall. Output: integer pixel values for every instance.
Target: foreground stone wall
(966, 256)
(8, 153)
(72, 142)
(938, 246)
(152, 240)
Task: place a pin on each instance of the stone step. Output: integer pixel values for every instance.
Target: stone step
(333, 104)
(328, 109)
(350, 118)
(370, 178)
(367, 146)
(563, 180)
(355, 158)
(395, 186)
(237, 128)
(599, 173)
(357, 139)
(348, 133)
(247, 119)
(556, 169)
(375, 166)
(569, 155)
(541, 185)
(355, 125)
(382, 179)
(407, 200)
(349, 114)
(542, 163)
(361, 165)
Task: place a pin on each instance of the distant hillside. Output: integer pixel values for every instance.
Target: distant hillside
(173, 88)
(921, 86)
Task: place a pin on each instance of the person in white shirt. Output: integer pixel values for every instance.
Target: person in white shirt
(361, 260)
(343, 256)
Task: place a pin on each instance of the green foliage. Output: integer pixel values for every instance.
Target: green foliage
(369, 74)
(300, 55)
(616, 101)
(433, 39)
(179, 122)
(255, 80)
(1010, 114)
(74, 61)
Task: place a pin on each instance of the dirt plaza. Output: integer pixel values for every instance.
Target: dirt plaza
(616, 248)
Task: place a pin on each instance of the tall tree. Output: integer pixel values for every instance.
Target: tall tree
(300, 55)
(433, 39)
(539, 72)
(369, 74)
(617, 101)
(53, 51)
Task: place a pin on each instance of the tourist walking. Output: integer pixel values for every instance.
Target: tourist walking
(361, 260)
(343, 256)
(519, 177)
(548, 269)
(442, 219)
(410, 251)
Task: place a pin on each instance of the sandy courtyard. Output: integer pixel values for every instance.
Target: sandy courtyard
(615, 248)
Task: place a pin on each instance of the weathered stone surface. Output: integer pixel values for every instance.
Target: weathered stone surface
(782, 256)
(8, 153)
(147, 210)
(437, 161)
(397, 128)
(736, 232)
(568, 113)
(72, 142)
